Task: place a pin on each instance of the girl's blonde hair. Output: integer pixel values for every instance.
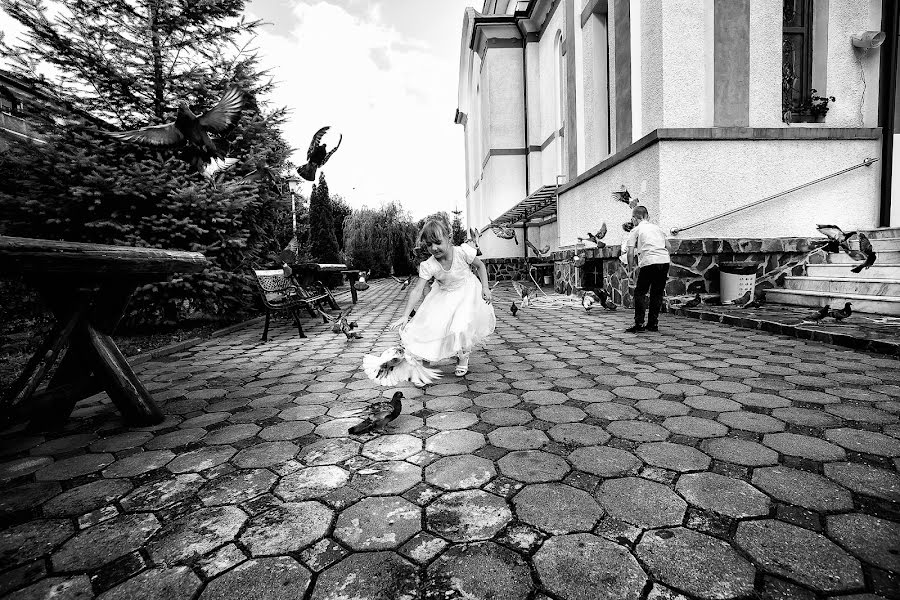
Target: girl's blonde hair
(434, 231)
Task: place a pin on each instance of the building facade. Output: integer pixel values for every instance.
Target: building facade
(695, 107)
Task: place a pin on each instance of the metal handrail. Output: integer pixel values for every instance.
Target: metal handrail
(866, 163)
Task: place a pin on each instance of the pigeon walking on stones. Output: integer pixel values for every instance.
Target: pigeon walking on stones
(841, 314)
(693, 302)
(317, 155)
(819, 314)
(865, 246)
(192, 130)
(380, 414)
(605, 302)
(744, 299)
(589, 299)
(513, 309)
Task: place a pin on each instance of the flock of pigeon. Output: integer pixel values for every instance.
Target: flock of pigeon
(193, 134)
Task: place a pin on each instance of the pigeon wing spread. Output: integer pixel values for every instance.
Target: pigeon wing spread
(224, 115)
(333, 150)
(395, 365)
(156, 135)
(316, 140)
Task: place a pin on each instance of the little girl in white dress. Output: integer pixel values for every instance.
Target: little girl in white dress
(457, 313)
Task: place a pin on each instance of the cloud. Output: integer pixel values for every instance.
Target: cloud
(391, 95)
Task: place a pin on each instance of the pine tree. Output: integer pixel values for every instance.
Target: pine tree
(456, 228)
(340, 210)
(323, 244)
(129, 63)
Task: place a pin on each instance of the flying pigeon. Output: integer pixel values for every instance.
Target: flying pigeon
(513, 309)
(840, 315)
(472, 240)
(526, 292)
(589, 299)
(622, 195)
(361, 285)
(838, 240)
(627, 226)
(598, 237)
(543, 252)
(317, 155)
(216, 166)
(395, 365)
(504, 232)
(262, 172)
(404, 283)
(605, 302)
(380, 414)
(865, 246)
(192, 130)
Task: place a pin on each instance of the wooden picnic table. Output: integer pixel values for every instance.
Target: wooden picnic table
(87, 287)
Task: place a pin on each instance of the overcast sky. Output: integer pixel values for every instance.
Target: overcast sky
(384, 74)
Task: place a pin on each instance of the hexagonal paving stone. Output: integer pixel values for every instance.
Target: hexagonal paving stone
(641, 502)
(265, 454)
(533, 466)
(311, 482)
(604, 461)
(70, 468)
(740, 452)
(611, 411)
(57, 588)
(876, 541)
(369, 575)
(95, 546)
(803, 446)
(378, 523)
(695, 427)
(21, 543)
(557, 508)
(698, 564)
(86, 497)
(116, 443)
(800, 555)
(638, 431)
(578, 434)
(723, 495)
(138, 464)
(805, 416)
(28, 496)
(286, 528)
(451, 420)
(236, 487)
(460, 472)
(201, 459)
(480, 570)
(559, 414)
(177, 582)
(289, 430)
(711, 403)
(868, 442)
(498, 400)
(865, 479)
(174, 439)
(231, 434)
(457, 441)
(802, 488)
(518, 438)
(544, 397)
(662, 408)
(675, 457)
(195, 534)
(278, 578)
(329, 452)
(392, 447)
(383, 478)
(505, 416)
(467, 516)
(586, 567)
(163, 493)
(749, 421)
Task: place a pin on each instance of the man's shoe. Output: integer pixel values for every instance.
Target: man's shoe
(653, 328)
(635, 329)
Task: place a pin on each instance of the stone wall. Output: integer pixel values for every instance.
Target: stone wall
(515, 269)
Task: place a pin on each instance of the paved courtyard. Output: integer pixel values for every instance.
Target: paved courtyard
(573, 462)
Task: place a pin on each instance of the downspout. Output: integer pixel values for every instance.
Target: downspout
(525, 104)
(887, 104)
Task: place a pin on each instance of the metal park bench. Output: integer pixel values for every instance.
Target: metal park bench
(282, 293)
(87, 287)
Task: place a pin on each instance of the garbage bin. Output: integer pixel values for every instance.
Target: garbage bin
(735, 279)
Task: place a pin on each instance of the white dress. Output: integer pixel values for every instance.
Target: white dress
(453, 316)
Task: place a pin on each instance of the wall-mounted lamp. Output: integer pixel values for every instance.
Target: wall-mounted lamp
(868, 39)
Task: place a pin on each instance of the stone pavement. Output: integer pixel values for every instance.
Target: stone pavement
(574, 462)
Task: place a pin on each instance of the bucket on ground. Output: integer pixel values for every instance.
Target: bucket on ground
(548, 280)
(736, 279)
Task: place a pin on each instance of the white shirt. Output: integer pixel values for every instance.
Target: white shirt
(649, 242)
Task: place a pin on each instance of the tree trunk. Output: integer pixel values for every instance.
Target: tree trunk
(158, 83)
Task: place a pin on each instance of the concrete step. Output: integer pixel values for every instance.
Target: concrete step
(879, 244)
(877, 271)
(878, 305)
(841, 258)
(882, 232)
(866, 286)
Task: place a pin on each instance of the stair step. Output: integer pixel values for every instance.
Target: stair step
(879, 244)
(879, 305)
(882, 232)
(840, 258)
(877, 271)
(866, 286)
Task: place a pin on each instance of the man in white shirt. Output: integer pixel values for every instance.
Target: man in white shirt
(647, 252)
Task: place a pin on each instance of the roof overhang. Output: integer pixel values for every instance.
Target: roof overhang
(539, 205)
(486, 30)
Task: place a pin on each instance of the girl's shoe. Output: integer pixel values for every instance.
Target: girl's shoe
(462, 365)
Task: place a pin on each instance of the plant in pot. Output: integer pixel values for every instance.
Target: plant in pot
(812, 109)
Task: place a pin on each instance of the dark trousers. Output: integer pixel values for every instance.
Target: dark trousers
(651, 278)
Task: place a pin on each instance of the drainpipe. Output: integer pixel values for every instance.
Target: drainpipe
(525, 104)
(887, 104)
